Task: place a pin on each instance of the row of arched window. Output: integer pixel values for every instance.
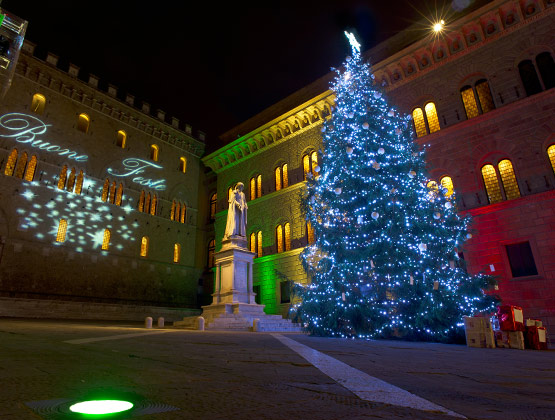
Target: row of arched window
(38, 104)
(71, 183)
(536, 75)
(62, 231)
(21, 166)
(178, 212)
(147, 203)
(112, 193)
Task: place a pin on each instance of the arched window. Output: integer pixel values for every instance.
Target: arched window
(508, 179)
(21, 164)
(529, 77)
(141, 205)
(10, 165)
(469, 101)
(252, 242)
(176, 252)
(431, 116)
(309, 233)
(62, 229)
(121, 139)
(105, 188)
(278, 178)
(106, 240)
(38, 103)
(172, 211)
(279, 238)
(287, 236)
(306, 165)
(229, 192)
(253, 188)
(79, 184)
(256, 187)
(83, 123)
(478, 100)
(285, 176)
(551, 155)
(183, 213)
(432, 190)
(71, 180)
(492, 184)
(31, 169)
(153, 205)
(485, 100)
(63, 177)
(119, 195)
(213, 204)
(113, 193)
(419, 123)
(259, 186)
(211, 251)
(447, 183)
(310, 162)
(183, 164)
(259, 244)
(154, 152)
(144, 246)
(147, 203)
(546, 68)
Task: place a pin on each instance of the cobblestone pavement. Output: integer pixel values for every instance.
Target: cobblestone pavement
(225, 375)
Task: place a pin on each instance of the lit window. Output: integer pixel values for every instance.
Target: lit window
(419, 123)
(10, 166)
(141, 205)
(484, 95)
(259, 243)
(183, 213)
(183, 164)
(252, 189)
(551, 155)
(432, 190)
(279, 238)
(287, 233)
(106, 240)
(252, 242)
(285, 175)
(105, 188)
(21, 164)
(447, 183)
(431, 116)
(83, 123)
(172, 212)
(314, 159)
(62, 229)
(309, 233)
(144, 246)
(31, 169)
(147, 204)
(113, 193)
(470, 105)
(176, 252)
(508, 179)
(229, 193)
(154, 152)
(211, 251)
(71, 180)
(278, 178)
(213, 204)
(38, 103)
(306, 165)
(153, 204)
(259, 186)
(119, 195)
(492, 184)
(62, 179)
(79, 184)
(121, 139)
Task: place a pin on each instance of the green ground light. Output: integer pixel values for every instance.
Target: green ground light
(101, 407)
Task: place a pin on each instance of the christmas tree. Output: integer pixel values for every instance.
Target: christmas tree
(384, 262)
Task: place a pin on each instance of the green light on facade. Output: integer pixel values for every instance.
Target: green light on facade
(101, 407)
(2, 19)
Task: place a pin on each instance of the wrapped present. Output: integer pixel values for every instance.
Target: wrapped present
(536, 338)
(510, 318)
(533, 323)
(479, 332)
(510, 339)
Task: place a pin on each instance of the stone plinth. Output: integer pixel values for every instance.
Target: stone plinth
(233, 302)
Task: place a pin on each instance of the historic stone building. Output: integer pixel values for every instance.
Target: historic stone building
(100, 209)
(482, 100)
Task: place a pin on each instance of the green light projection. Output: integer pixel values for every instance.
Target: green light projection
(101, 407)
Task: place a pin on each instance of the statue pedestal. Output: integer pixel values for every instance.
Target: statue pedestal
(233, 301)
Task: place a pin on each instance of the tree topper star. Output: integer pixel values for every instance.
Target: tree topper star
(353, 41)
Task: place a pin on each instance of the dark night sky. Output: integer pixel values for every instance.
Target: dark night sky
(212, 65)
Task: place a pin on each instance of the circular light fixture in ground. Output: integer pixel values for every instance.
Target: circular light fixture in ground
(101, 407)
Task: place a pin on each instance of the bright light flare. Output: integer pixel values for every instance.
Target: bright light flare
(101, 407)
(438, 26)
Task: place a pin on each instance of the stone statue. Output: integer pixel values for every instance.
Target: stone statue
(237, 214)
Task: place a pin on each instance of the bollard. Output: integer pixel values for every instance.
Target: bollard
(148, 322)
(256, 325)
(200, 321)
(161, 322)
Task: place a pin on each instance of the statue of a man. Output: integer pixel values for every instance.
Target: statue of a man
(237, 213)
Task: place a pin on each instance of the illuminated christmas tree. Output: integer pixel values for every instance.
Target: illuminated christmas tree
(384, 262)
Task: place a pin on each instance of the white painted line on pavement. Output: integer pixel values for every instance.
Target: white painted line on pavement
(361, 384)
(112, 337)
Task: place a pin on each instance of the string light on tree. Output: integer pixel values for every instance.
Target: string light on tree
(379, 243)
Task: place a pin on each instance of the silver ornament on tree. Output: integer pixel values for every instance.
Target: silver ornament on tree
(381, 151)
(338, 190)
(377, 94)
(412, 174)
(349, 150)
(437, 215)
(351, 114)
(391, 113)
(422, 247)
(317, 168)
(448, 205)
(375, 215)
(365, 125)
